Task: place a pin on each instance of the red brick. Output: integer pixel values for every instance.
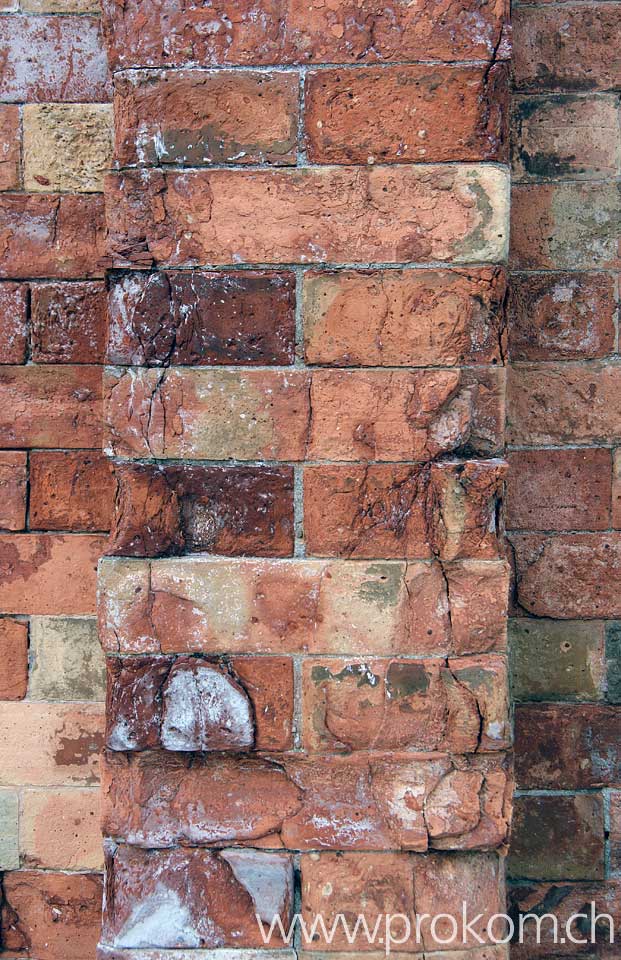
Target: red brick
(199, 117)
(569, 575)
(561, 316)
(70, 491)
(69, 322)
(51, 235)
(262, 32)
(9, 147)
(565, 226)
(404, 317)
(569, 747)
(72, 45)
(448, 510)
(14, 659)
(421, 705)
(559, 490)
(202, 318)
(49, 573)
(570, 47)
(571, 826)
(219, 606)
(13, 322)
(341, 803)
(50, 406)
(565, 137)
(314, 215)
(193, 704)
(212, 899)
(187, 508)
(616, 489)
(13, 483)
(51, 915)
(564, 403)
(405, 114)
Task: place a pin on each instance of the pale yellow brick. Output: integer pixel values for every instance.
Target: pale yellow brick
(61, 6)
(67, 146)
(66, 659)
(74, 843)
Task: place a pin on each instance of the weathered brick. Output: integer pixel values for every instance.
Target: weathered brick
(344, 607)
(613, 662)
(341, 803)
(51, 915)
(50, 406)
(49, 573)
(14, 322)
(568, 575)
(338, 415)
(14, 660)
(564, 901)
(66, 146)
(203, 318)
(66, 659)
(567, 47)
(193, 704)
(195, 509)
(50, 744)
(616, 489)
(614, 811)
(68, 322)
(553, 660)
(565, 135)
(563, 403)
(9, 830)
(9, 147)
(75, 841)
(60, 6)
(561, 316)
(211, 899)
(263, 32)
(559, 489)
(569, 747)
(448, 510)
(52, 59)
(425, 705)
(70, 490)
(404, 317)
(570, 826)
(200, 117)
(565, 226)
(405, 114)
(51, 235)
(313, 215)
(13, 483)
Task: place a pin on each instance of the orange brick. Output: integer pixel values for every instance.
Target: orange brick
(407, 213)
(49, 573)
(71, 490)
(13, 481)
(50, 744)
(9, 147)
(75, 841)
(51, 915)
(405, 114)
(50, 406)
(13, 660)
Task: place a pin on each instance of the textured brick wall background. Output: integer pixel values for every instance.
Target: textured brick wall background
(56, 488)
(563, 496)
(360, 551)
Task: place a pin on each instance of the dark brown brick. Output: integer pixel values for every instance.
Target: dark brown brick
(202, 318)
(557, 838)
(194, 509)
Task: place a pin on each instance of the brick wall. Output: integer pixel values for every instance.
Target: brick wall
(304, 606)
(563, 428)
(56, 488)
